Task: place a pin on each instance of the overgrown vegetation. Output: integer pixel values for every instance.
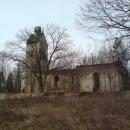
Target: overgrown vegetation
(71, 113)
(10, 81)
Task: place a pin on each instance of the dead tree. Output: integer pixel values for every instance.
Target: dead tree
(106, 15)
(60, 54)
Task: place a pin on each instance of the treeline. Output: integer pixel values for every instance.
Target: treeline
(109, 53)
(12, 83)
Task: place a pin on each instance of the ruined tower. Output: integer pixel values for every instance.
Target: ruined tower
(36, 59)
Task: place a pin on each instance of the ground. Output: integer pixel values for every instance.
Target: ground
(66, 113)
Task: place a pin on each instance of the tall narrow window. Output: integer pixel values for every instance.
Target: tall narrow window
(96, 81)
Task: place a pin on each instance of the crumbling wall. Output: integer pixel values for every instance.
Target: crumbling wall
(109, 78)
(68, 82)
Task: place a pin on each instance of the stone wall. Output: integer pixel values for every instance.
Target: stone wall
(67, 81)
(36, 53)
(109, 77)
(82, 78)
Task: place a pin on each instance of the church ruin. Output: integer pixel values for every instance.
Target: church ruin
(84, 78)
(36, 60)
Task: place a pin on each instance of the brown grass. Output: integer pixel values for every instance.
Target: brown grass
(66, 113)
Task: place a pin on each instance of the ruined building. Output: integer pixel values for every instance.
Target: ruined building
(84, 78)
(36, 59)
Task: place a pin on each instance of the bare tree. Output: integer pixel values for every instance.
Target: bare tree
(60, 54)
(107, 15)
(110, 17)
(108, 54)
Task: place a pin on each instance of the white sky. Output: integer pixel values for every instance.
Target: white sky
(18, 14)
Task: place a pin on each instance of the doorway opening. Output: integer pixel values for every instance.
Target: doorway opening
(96, 79)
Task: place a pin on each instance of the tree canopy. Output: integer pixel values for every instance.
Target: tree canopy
(112, 16)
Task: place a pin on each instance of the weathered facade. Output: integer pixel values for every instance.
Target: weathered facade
(86, 78)
(36, 59)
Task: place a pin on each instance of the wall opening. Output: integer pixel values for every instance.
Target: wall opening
(96, 79)
(56, 80)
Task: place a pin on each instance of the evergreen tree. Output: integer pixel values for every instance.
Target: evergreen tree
(18, 80)
(2, 82)
(10, 84)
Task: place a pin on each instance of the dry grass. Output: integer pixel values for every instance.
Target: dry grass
(66, 113)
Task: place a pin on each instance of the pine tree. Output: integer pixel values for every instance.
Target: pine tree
(18, 80)
(2, 82)
(10, 84)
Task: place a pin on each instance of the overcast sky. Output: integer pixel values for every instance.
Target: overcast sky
(18, 14)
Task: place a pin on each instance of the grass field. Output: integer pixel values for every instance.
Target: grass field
(66, 113)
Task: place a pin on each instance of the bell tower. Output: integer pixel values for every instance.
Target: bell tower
(36, 59)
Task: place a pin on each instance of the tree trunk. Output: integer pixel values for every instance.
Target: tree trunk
(40, 86)
(44, 81)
